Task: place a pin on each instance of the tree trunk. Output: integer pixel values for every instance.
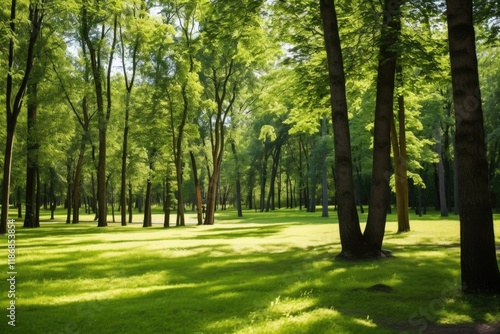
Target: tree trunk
(168, 202)
(197, 186)
(238, 182)
(123, 179)
(479, 264)
(76, 181)
(32, 159)
(14, 103)
(69, 190)
(441, 177)
(400, 160)
(379, 191)
(130, 216)
(147, 205)
(350, 233)
(272, 182)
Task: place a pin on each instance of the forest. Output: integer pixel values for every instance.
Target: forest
(115, 107)
(250, 166)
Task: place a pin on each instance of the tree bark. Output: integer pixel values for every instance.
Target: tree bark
(274, 171)
(197, 186)
(479, 266)
(14, 104)
(398, 139)
(441, 176)
(238, 182)
(379, 191)
(32, 159)
(350, 233)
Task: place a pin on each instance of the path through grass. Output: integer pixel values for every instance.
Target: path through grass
(265, 273)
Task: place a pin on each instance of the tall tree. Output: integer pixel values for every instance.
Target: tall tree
(479, 264)
(350, 232)
(130, 60)
(379, 191)
(234, 44)
(14, 100)
(94, 31)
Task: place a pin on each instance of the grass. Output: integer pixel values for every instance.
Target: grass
(265, 273)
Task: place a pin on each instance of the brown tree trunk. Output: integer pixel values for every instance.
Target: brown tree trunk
(32, 159)
(379, 191)
(238, 182)
(167, 203)
(76, 182)
(398, 139)
(147, 203)
(197, 186)
(274, 171)
(479, 264)
(350, 232)
(14, 103)
(123, 177)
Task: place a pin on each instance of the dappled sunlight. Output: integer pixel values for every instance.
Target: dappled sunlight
(234, 278)
(85, 289)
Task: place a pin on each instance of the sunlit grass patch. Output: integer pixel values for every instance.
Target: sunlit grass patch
(260, 274)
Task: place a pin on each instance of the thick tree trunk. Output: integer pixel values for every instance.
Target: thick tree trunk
(7, 169)
(379, 191)
(350, 232)
(479, 264)
(14, 103)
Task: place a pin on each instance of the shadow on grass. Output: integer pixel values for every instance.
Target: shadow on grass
(210, 280)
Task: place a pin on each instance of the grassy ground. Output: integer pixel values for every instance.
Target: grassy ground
(266, 273)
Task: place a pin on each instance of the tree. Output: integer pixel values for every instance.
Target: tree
(14, 100)
(129, 53)
(379, 191)
(93, 18)
(350, 232)
(479, 264)
(234, 45)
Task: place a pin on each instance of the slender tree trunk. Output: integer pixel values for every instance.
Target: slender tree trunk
(238, 182)
(263, 179)
(479, 264)
(272, 182)
(379, 191)
(130, 212)
(76, 182)
(350, 233)
(123, 178)
(197, 186)
(168, 203)
(69, 190)
(441, 177)
(147, 205)
(32, 159)
(400, 159)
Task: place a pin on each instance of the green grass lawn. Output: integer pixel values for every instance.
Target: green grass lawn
(265, 273)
